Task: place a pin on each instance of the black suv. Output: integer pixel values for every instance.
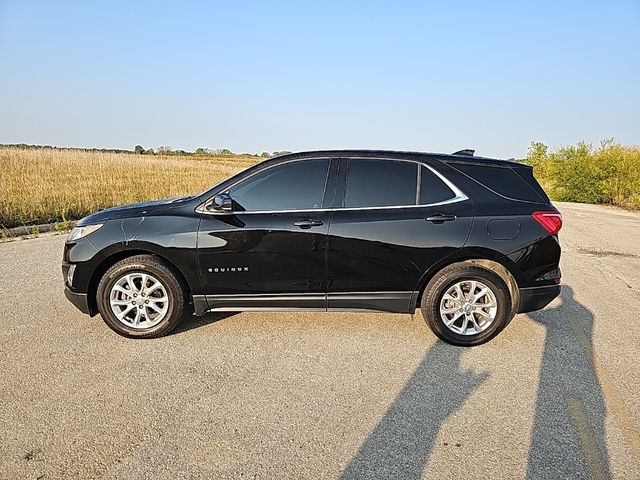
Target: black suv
(471, 241)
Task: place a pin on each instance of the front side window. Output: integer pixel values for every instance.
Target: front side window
(295, 185)
(380, 183)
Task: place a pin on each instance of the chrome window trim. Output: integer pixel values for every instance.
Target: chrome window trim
(419, 182)
(459, 196)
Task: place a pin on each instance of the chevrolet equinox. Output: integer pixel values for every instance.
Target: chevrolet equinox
(470, 241)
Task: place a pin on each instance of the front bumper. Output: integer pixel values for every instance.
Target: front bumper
(80, 300)
(535, 298)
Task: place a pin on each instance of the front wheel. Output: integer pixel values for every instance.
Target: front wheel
(141, 297)
(466, 305)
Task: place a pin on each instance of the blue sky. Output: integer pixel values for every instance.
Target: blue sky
(255, 76)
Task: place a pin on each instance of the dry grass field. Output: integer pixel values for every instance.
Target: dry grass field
(51, 185)
(43, 185)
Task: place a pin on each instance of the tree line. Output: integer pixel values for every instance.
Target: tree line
(161, 150)
(202, 151)
(608, 174)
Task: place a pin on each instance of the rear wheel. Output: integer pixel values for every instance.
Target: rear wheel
(141, 297)
(466, 305)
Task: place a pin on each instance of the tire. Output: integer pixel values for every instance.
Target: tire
(479, 330)
(162, 307)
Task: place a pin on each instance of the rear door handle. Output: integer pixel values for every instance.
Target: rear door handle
(440, 218)
(308, 223)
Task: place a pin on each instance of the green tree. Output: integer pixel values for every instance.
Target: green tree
(223, 151)
(139, 149)
(538, 152)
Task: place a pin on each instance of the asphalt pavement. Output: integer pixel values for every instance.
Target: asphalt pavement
(328, 395)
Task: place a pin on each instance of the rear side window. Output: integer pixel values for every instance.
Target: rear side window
(380, 183)
(432, 189)
(291, 186)
(502, 180)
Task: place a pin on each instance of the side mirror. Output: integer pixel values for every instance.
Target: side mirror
(221, 202)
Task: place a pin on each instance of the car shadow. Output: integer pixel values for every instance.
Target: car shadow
(401, 443)
(568, 438)
(208, 318)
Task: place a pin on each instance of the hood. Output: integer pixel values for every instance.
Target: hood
(133, 210)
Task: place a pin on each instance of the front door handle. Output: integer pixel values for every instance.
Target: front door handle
(440, 218)
(308, 223)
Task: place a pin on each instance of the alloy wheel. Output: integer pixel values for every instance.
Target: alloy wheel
(468, 307)
(139, 300)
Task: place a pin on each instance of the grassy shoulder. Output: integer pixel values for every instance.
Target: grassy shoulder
(55, 185)
(608, 174)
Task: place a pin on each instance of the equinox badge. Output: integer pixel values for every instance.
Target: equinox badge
(228, 269)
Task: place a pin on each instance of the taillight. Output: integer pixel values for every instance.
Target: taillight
(550, 221)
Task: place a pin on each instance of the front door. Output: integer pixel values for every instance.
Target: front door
(269, 252)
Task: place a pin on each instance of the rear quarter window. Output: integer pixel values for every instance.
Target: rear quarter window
(432, 189)
(502, 180)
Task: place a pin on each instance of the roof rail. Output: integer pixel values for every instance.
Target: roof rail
(467, 152)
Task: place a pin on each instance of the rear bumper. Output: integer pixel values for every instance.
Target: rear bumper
(535, 298)
(78, 299)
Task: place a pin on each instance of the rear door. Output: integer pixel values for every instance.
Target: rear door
(393, 221)
(270, 251)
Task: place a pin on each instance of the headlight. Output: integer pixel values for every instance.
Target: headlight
(78, 232)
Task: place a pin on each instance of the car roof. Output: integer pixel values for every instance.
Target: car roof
(395, 154)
